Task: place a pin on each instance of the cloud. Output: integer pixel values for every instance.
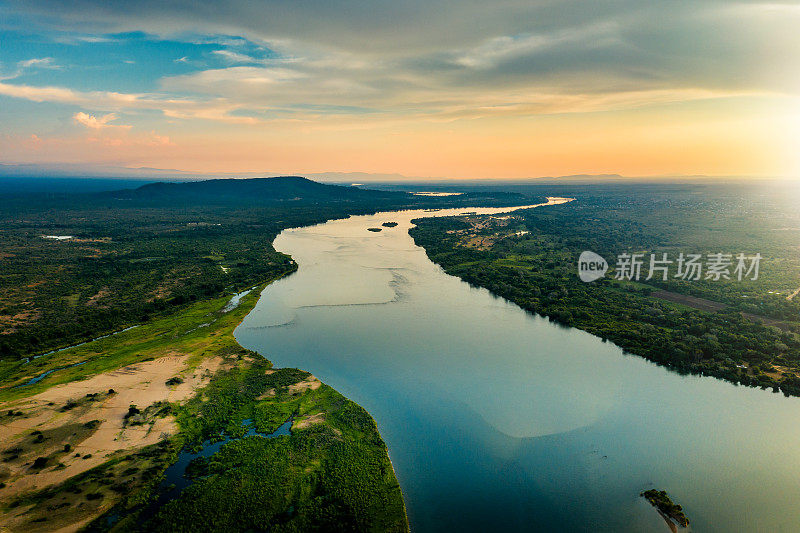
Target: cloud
(116, 135)
(440, 59)
(400, 55)
(39, 94)
(95, 123)
(158, 140)
(210, 109)
(470, 83)
(28, 64)
(674, 33)
(73, 39)
(43, 62)
(235, 57)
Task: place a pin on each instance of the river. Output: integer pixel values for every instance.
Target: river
(497, 419)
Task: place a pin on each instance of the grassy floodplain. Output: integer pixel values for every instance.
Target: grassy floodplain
(332, 473)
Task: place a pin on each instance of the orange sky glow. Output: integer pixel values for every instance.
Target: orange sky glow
(713, 91)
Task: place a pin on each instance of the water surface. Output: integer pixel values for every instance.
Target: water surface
(499, 419)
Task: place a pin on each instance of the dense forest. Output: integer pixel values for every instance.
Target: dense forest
(743, 331)
(332, 476)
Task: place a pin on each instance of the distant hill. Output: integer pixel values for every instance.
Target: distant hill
(284, 189)
(295, 191)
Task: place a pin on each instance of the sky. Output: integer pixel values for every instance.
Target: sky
(441, 88)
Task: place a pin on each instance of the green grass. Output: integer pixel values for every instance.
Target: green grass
(181, 332)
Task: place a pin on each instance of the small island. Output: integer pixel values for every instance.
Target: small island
(374, 229)
(669, 510)
(389, 224)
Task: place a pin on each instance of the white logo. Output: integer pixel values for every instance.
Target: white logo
(591, 266)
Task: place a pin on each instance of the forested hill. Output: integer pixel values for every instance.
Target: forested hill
(294, 189)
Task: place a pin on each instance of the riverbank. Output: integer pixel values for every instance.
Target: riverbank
(88, 444)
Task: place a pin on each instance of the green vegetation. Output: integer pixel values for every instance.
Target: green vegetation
(389, 224)
(331, 474)
(124, 267)
(194, 331)
(750, 333)
(661, 501)
(376, 230)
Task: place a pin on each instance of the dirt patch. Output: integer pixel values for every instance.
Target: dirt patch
(479, 243)
(94, 300)
(10, 322)
(311, 383)
(779, 372)
(711, 306)
(691, 301)
(89, 403)
(308, 421)
(780, 324)
(161, 292)
(268, 394)
(100, 239)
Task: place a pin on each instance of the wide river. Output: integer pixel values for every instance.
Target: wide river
(497, 419)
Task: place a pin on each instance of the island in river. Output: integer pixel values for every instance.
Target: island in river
(670, 511)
